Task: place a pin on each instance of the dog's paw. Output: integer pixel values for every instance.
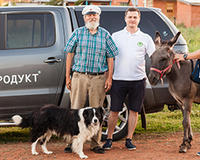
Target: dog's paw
(35, 153)
(83, 156)
(48, 152)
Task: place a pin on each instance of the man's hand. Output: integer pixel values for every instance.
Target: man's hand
(179, 57)
(68, 83)
(108, 84)
(68, 68)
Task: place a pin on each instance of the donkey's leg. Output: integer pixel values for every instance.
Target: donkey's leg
(190, 137)
(190, 134)
(186, 126)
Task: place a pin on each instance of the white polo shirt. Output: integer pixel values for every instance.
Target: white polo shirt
(130, 62)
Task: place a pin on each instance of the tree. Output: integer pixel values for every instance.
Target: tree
(61, 2)
(55, 2)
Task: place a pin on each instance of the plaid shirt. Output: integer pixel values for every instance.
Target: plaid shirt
(91, 51)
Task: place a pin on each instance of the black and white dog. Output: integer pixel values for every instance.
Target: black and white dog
(76, 126)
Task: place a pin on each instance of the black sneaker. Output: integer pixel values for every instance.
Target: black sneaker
(198, 153)
(68, 149)
(129, 144)
(108, 144)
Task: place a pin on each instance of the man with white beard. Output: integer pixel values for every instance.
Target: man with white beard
(92, 50)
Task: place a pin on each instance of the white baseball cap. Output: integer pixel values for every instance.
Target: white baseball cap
(91, 9)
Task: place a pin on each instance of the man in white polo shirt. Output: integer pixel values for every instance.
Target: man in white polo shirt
(129, 74)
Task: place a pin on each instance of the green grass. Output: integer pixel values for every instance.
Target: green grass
(14, 134)
(169, 122)
(192, 37)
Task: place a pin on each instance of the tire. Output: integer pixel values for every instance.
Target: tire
(122, 124)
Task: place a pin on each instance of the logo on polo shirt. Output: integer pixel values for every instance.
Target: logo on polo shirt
(140, 44)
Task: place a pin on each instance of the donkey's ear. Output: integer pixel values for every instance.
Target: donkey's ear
(173, 40)
(157, 40)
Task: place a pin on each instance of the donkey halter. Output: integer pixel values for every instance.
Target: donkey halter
(162, 72)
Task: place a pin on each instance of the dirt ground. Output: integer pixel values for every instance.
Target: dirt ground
(149, 147)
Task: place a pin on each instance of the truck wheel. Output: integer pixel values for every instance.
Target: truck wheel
(122, 123)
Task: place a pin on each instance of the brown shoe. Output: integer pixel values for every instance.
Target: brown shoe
(98, 150)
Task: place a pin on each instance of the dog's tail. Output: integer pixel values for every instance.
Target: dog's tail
(23, 122)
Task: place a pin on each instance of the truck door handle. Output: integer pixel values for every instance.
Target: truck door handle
(52, 60)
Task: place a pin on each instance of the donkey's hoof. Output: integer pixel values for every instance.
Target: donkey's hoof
(189, 146)
(183, 149)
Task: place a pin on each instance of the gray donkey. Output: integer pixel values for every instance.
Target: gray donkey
(184, 91)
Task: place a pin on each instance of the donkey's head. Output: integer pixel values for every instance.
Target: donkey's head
(162, 58)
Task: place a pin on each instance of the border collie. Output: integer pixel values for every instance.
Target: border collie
(75, 126)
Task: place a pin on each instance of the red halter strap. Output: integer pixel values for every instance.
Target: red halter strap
(162, 72)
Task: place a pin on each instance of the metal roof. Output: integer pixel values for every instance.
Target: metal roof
(192, 2)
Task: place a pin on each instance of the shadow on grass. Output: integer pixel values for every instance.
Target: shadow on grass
(14, 134)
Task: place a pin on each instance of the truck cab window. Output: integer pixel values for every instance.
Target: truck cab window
(37, 30)
(150, 23)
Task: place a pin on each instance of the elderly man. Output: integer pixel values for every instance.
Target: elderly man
(92, 50)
